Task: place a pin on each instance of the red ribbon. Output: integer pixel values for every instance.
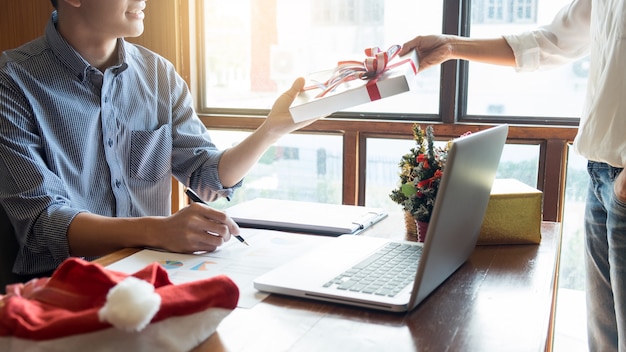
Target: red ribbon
(375, 64)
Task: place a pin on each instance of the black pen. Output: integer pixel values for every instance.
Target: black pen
(191, 194)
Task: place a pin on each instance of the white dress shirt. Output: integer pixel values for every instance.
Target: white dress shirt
(597, 28)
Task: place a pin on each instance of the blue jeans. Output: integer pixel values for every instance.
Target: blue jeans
(605, 261)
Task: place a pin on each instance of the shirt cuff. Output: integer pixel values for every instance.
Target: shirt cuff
(526, 51)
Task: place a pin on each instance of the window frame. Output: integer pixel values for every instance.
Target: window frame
(552, 134)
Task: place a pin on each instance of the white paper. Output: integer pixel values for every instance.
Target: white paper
(268, 249)
(309, 217)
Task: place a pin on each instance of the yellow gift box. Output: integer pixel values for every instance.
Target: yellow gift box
(513, 214)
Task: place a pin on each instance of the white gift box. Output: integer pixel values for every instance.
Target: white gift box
(398, 77)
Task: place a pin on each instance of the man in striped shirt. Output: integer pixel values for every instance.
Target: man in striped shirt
(93, 128)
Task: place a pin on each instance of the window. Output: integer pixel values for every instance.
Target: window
(302, 167)
(349, 13)
(251, 50)
(495, 11)
(504, 11)
(500, 91)
(518, 161)
(254, 49)
(524, 11)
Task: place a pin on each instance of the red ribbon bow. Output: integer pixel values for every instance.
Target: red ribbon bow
(370, 69)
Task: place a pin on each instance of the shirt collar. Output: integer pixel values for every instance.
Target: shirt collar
(71, 58)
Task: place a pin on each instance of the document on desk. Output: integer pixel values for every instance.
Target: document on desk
(268, 249)
(307, 217)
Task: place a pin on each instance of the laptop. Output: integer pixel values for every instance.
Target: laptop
(452, 235)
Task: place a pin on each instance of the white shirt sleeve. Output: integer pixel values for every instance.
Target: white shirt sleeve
(565, 39)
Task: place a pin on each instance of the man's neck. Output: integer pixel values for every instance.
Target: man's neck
(99, 52)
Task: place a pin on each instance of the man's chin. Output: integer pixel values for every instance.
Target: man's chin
(135, 33)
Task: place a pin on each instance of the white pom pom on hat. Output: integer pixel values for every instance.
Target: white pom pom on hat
(130, 305)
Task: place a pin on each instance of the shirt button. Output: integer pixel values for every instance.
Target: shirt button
(118, 183)
(110, 141)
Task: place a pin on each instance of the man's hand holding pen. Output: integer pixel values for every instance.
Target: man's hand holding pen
(196, 198)
(197, 228)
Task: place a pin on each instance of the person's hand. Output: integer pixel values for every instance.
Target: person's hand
(619, 187)
(279, 121)
(196, 228)
(431, 50)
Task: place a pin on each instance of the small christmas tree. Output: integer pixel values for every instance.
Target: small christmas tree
(420, 175)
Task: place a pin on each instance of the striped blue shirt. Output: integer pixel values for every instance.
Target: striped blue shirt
(74, 139)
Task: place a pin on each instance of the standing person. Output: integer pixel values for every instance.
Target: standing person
(597, 28)
(94, 127)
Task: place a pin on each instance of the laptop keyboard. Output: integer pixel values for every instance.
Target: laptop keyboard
(384, 273)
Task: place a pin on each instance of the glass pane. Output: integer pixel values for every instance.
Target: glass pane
(576, 183)
(494, 90)
(382, 171)
(301, 167)
(571, 312)
(254, 49)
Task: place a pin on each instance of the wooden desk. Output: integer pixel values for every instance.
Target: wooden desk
(502, 299)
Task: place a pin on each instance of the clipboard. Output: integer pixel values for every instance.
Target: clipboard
(305, 217)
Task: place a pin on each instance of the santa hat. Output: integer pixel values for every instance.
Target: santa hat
(86, 306)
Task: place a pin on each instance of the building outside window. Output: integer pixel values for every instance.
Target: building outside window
(504, 11)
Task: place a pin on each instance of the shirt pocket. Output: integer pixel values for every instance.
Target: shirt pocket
(151, 154)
